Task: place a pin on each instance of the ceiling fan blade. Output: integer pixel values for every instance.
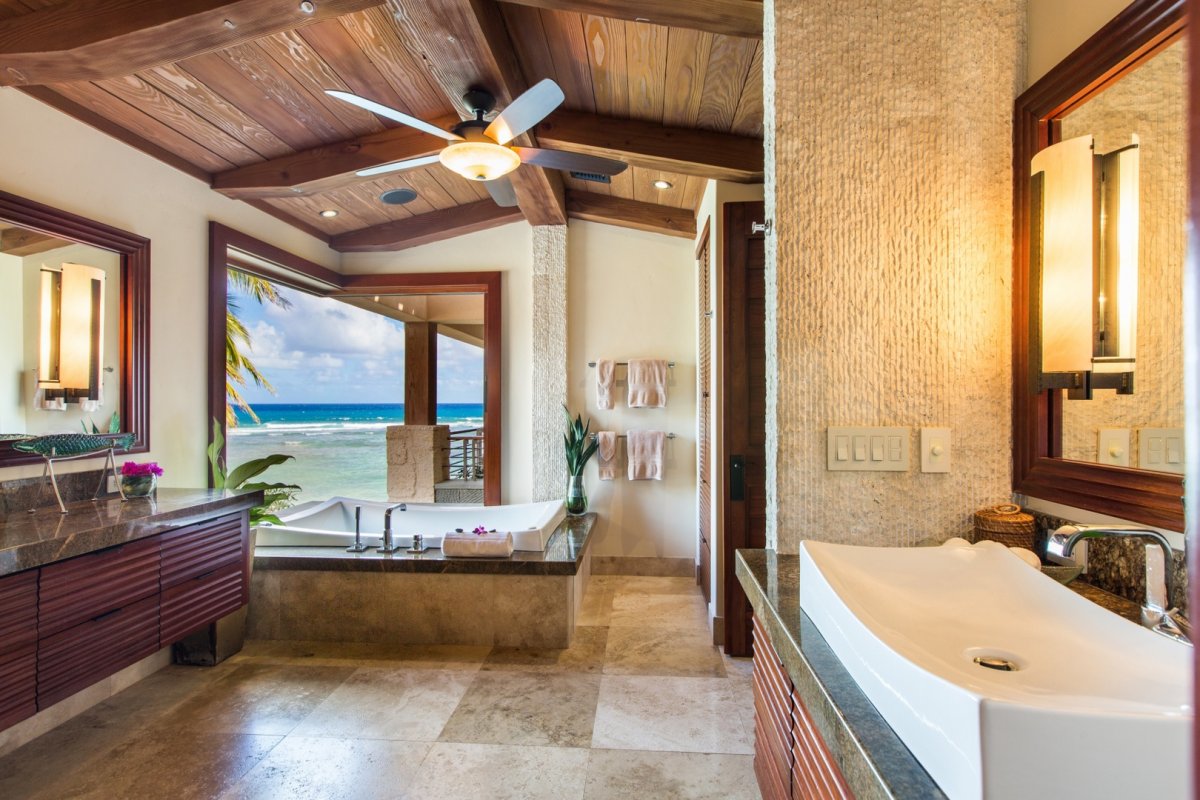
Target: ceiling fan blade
(397, 166)
(526, 111)
(579, 162)
(501, 190)
(393, 114)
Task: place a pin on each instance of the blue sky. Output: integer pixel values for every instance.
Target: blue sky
(325, 351)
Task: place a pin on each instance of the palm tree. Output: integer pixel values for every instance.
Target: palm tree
(238, 365)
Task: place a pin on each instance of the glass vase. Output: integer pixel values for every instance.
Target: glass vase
(576, 496)
(139, 485)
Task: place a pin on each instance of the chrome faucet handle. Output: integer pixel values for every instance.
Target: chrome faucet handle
(388, 545)
(358, 546)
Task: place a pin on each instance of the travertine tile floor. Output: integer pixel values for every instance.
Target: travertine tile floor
(640, 707)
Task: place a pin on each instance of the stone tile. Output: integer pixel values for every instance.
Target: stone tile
(586, 654)
(623, 774)
(662, 651)
(498, 772)
(737, 667)
(302, 768)
(526, 709)
(374, 703)
(364, 654)
(329, 606)
(47, 759)
(596, 608)
(675, 611)
(530, 610)
(174, 763)
(657, 585)
(644, 565)
(263, 612)
(146, 700)
(257, 699)
(696, 715)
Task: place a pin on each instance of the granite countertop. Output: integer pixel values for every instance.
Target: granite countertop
(31, 539)
(875, 762)
(563, 554)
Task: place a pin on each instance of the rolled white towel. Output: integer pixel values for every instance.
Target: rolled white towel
(477, 545)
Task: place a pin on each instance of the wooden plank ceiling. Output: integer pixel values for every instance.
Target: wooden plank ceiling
(691, 96)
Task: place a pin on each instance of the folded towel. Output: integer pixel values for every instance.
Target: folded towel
(645, 454)
(471, 545)
(606, 455)
(605, 376)
(647, 383)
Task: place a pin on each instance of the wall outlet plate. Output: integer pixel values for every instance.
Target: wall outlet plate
(1112, 446)
(867, 449)
(1161, 449)
(935, 449)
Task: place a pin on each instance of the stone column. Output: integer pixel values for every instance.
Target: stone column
(416, 461)
(549, 373)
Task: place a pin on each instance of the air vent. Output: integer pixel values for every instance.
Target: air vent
(398, 197)
(594, 177)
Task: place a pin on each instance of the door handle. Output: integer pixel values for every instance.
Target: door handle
(737, 478)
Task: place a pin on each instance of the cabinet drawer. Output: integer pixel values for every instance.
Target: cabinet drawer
(18, 685)
(199, 549)
(18, 611)
(189, 606)
(82, 588)
(81, 655)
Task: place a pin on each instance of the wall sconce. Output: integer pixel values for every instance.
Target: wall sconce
(71, 341)
(1083, 267)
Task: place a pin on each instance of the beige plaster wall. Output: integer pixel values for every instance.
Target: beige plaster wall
(1150, 103)
(1057, 27)
(888, 271)
(51, 158)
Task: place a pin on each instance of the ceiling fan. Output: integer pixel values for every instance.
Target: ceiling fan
(479, 150)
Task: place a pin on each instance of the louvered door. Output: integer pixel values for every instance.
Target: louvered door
(18, 647)
(704, 573)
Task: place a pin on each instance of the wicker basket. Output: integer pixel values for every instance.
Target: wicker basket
(1005, 524)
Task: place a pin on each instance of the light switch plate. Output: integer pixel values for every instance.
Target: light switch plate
(935, 449)
(1112, 447)
(1161, 449)
(867, 449)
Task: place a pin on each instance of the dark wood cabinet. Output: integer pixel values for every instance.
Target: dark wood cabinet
(82, 588)
(204, 574)
(18, 647)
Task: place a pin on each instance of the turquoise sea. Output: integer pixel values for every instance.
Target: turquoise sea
(339, 449)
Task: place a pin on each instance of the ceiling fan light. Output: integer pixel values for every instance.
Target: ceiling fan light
(479, 161)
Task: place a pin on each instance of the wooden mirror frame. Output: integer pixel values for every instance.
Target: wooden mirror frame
(324, 282)
(1153, 498)
(134, 325)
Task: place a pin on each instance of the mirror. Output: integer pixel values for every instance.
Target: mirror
(1051, 433)
(74, 312)
(1143, 428)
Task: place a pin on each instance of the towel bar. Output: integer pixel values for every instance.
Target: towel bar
(670, 364)
(622, 436)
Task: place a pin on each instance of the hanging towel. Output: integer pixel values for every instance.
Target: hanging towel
(606, 455)
(647, 383)
(605, 374)
(470, 545)
(645, 454)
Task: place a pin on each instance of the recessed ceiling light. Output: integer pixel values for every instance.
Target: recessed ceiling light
(308, 7)
(329, 213)
(661, 184)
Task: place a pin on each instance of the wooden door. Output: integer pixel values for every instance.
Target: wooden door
(744, 394)
(704, 457)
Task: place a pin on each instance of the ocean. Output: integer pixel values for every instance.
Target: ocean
(339, 449)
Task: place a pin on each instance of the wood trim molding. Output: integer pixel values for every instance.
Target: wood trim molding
(134, 329)
(433, 226)
(92, 40)
(728, 17)
(1154, 498)
(631, 214)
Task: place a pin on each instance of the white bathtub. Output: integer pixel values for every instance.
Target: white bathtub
(330, 523)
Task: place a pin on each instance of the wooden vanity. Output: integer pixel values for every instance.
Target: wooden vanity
(86, 594)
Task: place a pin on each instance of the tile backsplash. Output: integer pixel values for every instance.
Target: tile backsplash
(22, 494)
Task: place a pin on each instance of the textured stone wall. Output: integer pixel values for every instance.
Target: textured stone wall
(1149, 102)
(549, 359)
(889, 148)
(416, 461)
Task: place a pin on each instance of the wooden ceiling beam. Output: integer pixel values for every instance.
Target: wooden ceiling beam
(422, 229)
(328, 167)
(92, 40)
(464, 43)
(705, 154)
(634, 214)
(729, 17)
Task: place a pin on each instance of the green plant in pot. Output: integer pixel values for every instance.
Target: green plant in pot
(277, 495)
(580, 447)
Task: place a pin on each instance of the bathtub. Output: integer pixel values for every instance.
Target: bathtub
(330, 523)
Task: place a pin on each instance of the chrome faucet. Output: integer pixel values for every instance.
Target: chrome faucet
(358, 546)
(388, 546)
(1157, 613)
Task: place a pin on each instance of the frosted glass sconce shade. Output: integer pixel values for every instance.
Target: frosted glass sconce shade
(71, 331)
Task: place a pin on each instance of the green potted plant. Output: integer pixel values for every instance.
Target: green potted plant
(579, 446)
(277, 495)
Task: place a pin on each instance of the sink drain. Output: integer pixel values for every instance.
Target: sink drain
(996, 663)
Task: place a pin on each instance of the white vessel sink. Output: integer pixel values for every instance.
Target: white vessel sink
(1097, 706)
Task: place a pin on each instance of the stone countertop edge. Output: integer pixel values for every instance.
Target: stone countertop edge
(875, 763)
(44, 536)
(563, 556)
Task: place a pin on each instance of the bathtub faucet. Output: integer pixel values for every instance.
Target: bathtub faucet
(388, 546)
